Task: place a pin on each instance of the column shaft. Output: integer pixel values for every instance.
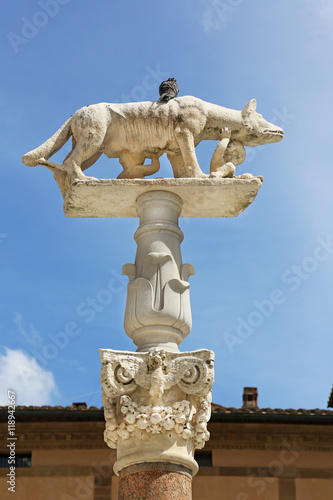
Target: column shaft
(158, 312)
(155, 481)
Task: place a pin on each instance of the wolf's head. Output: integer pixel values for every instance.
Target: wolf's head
(254, 129)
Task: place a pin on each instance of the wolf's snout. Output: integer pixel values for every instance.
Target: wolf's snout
(276, 133)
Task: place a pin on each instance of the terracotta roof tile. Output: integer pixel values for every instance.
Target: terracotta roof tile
(218, 409)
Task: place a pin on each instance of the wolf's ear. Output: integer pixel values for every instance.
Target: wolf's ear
(249, 108)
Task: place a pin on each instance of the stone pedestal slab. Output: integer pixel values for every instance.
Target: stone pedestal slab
(206, 197)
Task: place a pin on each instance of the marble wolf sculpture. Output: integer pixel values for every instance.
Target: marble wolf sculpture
(136, 131)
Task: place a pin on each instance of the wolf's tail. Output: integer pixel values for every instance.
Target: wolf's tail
(49, 147)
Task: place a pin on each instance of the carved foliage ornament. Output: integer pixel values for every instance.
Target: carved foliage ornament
(158, 301)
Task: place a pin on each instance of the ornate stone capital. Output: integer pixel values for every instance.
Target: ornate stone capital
(156, 398)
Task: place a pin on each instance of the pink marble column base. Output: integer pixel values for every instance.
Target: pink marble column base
(155, 481)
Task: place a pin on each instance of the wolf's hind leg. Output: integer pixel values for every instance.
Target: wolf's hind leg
(77, 159)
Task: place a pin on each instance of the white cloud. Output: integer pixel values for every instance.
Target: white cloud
(21, 373)
(324, 9)
(320, 14)
(27, 330)
(75, 363)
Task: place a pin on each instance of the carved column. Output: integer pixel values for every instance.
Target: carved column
(158, 309)
(157, 401)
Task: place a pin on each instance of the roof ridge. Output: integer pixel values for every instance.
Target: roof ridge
(215, 408)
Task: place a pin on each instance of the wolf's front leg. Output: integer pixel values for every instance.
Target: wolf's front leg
(177, 164)
(190, 165)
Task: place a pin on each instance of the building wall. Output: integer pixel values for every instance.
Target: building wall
(234, 475)
(50, 488)
(70, 461)
(231, 488)
(314, 489)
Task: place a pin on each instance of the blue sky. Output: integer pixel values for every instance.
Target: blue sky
(262, 293)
